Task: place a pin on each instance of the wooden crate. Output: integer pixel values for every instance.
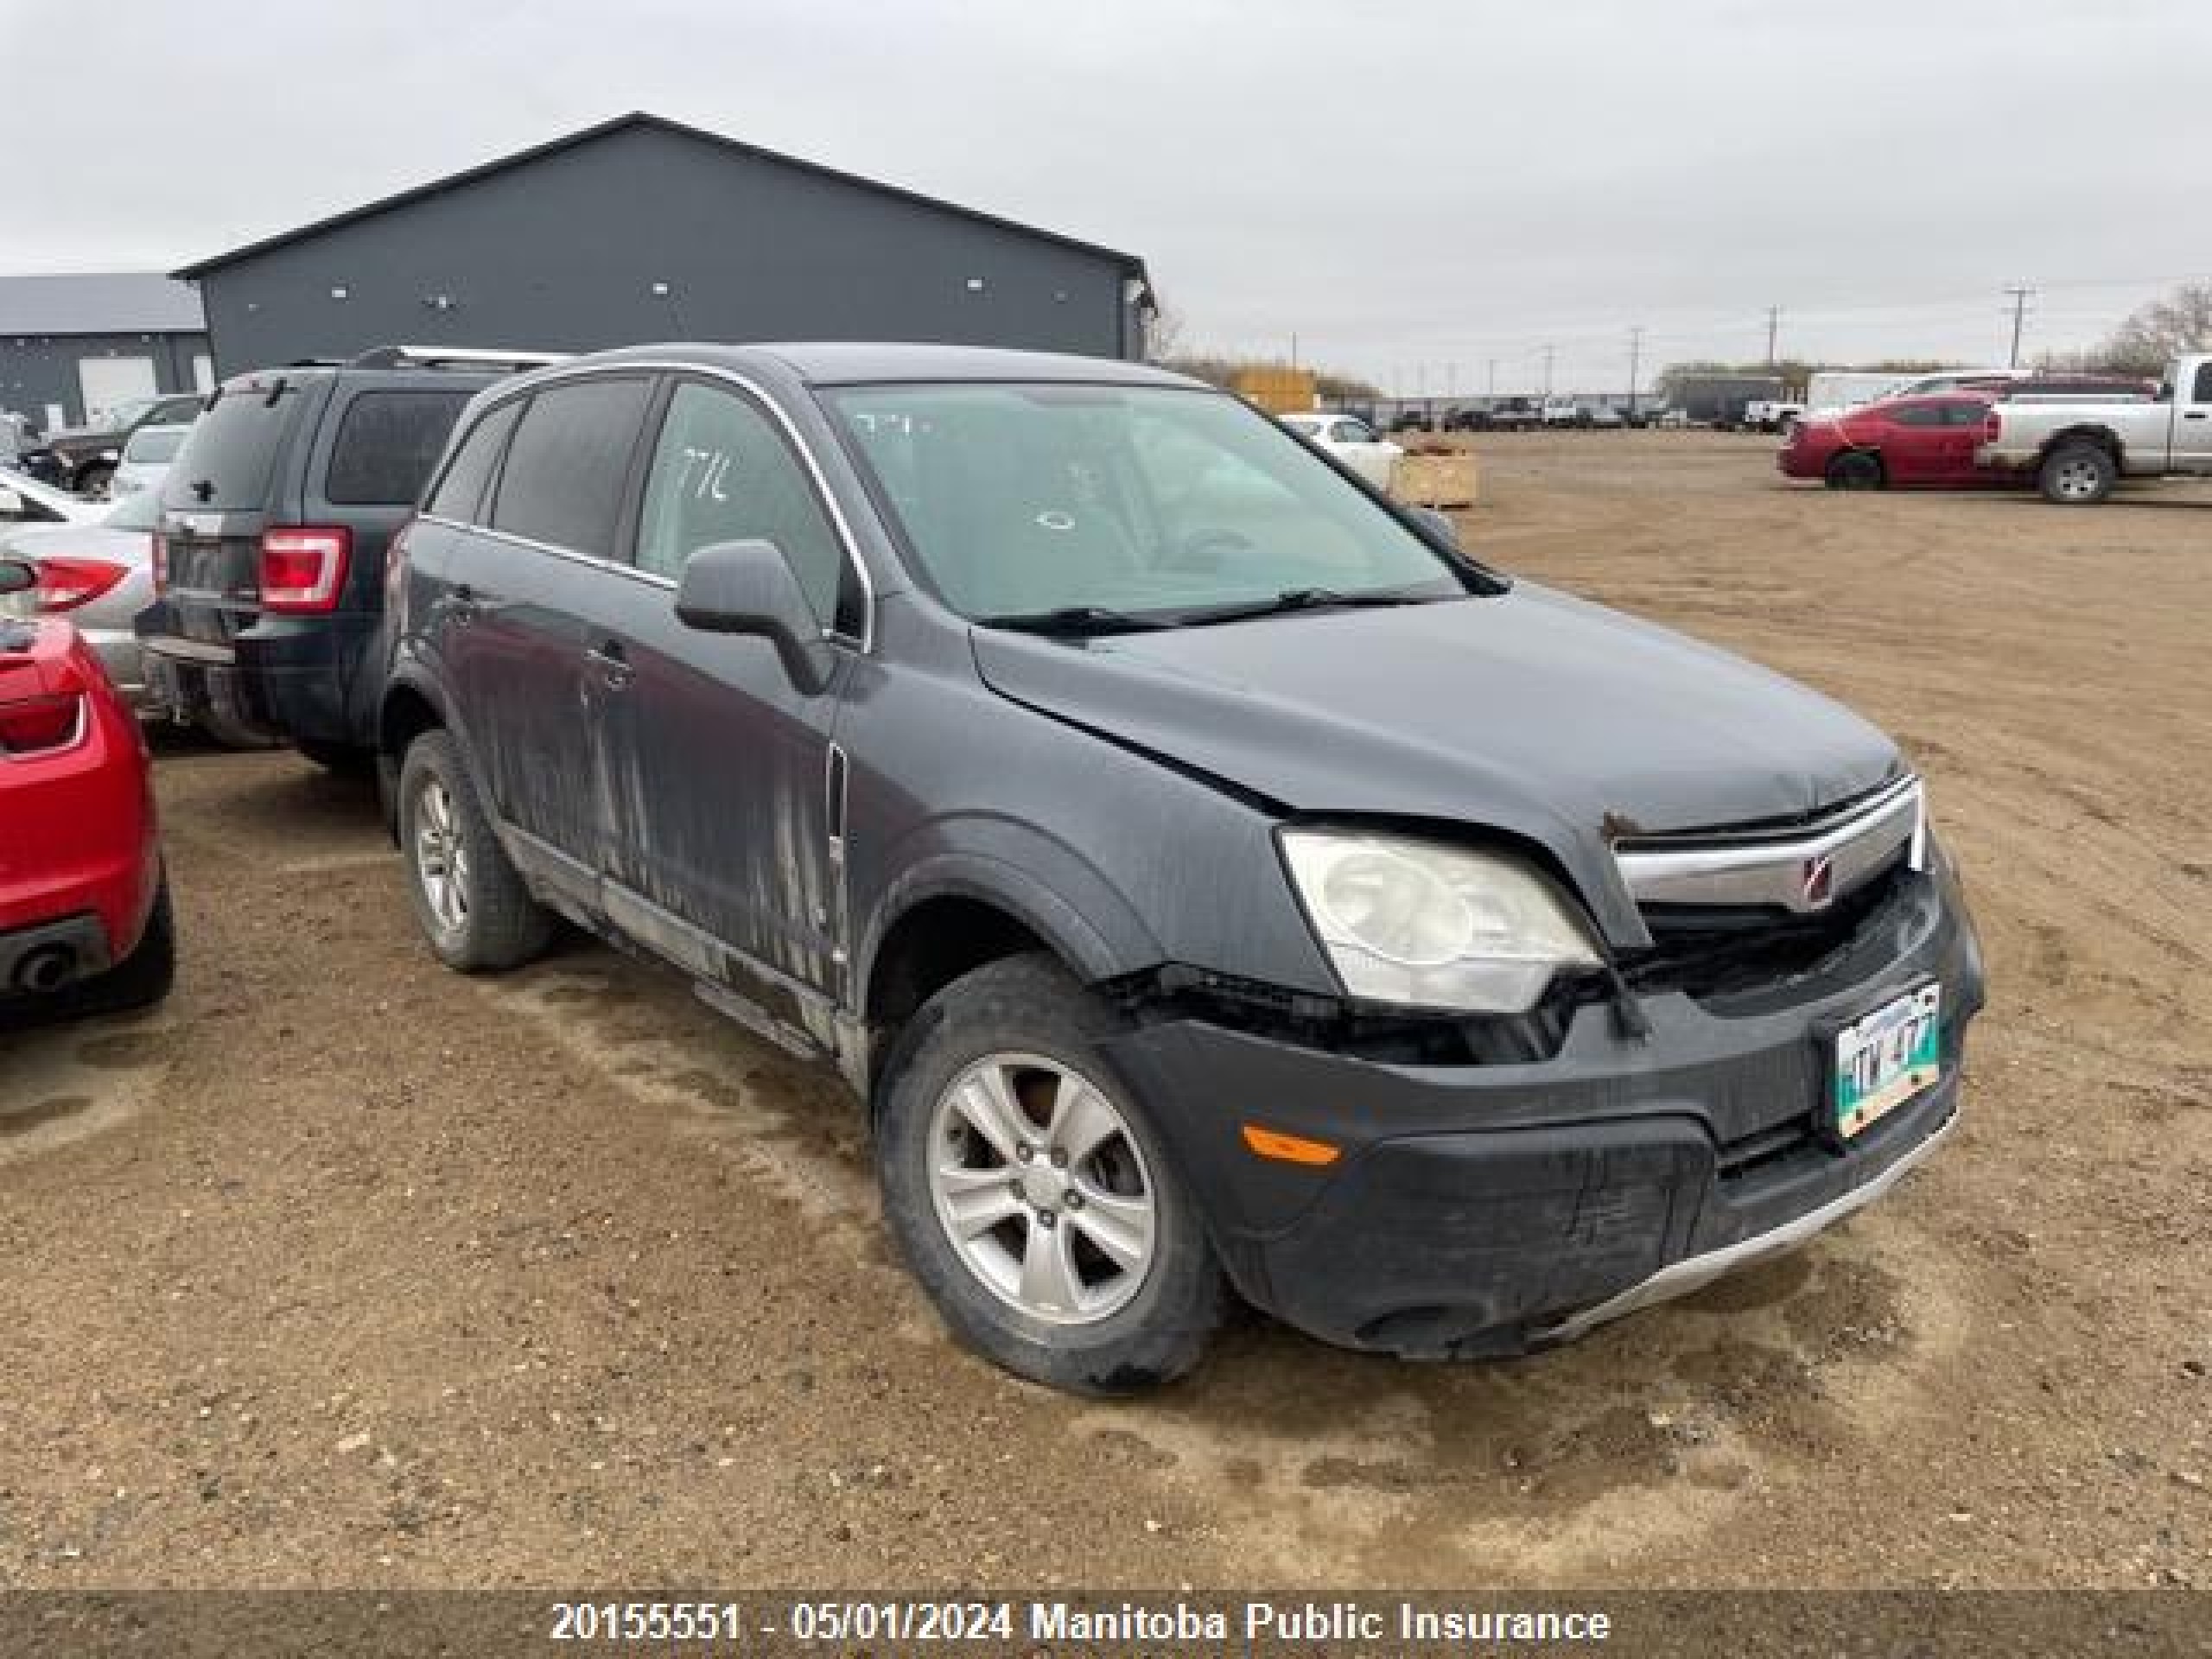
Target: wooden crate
(1451, 480)
(1278, 390)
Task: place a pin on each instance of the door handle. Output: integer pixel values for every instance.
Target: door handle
(613, 663)
(2193, 415)
(462, 607)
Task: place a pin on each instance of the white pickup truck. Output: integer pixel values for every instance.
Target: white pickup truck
(2078, 452)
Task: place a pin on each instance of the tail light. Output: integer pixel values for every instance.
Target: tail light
(304, 569)
(161, 562)
(37, 723)
(1992, 427)
(64, 584)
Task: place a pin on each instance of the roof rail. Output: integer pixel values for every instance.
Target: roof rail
(463, 357)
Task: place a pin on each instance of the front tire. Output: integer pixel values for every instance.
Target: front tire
(2078, 473)
(92, 482)
(1854, 469)
(1030, 1194)
(469, 899)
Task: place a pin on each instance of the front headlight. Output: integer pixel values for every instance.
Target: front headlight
(1415, 923)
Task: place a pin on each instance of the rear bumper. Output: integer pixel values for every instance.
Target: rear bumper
(291, 679)
(77, 841)
(52, 956)
(1495, 1209)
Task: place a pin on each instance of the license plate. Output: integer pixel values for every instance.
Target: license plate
(1884, 1059)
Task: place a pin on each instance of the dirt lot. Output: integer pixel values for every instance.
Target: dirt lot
(341, 1269)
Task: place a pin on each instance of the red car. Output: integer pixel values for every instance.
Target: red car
(84, 909)
(1920, 443)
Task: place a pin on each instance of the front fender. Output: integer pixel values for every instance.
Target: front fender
(1042, 883)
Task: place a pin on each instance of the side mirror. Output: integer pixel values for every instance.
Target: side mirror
(1439, 525)
(749, 588)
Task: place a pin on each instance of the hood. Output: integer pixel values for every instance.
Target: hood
(1528, 712)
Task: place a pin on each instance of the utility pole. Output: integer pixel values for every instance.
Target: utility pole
(1548, 353)
(1492, 376)
(1635, 361)
(1773, 330)
(2021, 293)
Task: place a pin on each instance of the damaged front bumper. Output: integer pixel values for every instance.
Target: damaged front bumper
(1490, 1209)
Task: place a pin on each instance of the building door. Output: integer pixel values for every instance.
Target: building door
(109, 381)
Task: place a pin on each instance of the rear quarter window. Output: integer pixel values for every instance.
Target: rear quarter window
(386, 444)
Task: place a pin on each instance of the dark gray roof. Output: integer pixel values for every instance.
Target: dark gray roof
(99, 302)
(641, 119)
(862, 362)
(846, 362)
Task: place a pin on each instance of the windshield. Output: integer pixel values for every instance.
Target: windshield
(1142, 501)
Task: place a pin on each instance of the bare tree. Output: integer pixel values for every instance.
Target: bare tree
(1163, 334)
(2154, 333)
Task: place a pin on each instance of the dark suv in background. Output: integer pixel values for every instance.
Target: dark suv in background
(276, 516)
(83, 459)
(1208, 874)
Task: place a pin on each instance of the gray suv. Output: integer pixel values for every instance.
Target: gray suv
(1210, 877)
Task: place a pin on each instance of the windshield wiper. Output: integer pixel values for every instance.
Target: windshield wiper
(1074, 622)
(1303, 599)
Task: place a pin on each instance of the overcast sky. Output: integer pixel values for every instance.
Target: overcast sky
(1413, 190)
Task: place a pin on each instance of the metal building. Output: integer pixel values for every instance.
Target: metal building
(75, 345)
(643, 229)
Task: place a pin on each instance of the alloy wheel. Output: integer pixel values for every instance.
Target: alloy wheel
(1040, 1186)
(440, 859)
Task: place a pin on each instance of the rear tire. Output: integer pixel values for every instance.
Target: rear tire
(472, 903)
(1007, 1147)
(1855, 469)
(232, 733)
(93, 481)
(2079, 473)
(345, 759)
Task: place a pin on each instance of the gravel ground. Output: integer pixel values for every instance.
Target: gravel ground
(341, 1270)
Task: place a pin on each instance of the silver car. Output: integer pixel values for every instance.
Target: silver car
(100, 575)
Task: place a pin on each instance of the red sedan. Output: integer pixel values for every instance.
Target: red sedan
(84, 909)
(1904, 442)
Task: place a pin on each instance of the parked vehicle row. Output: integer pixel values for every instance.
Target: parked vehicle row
(1064, 753)
(2078, 452)
(2074, 437)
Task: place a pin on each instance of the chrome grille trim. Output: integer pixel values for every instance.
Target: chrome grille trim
(1776, 869)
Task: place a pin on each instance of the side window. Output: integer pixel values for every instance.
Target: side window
(1917, 415)
(721, 471)
(386, 444)
(460, 494)
(569, 463)
(2204, 394)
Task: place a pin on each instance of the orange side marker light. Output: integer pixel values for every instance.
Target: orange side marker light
(1289, 1149)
